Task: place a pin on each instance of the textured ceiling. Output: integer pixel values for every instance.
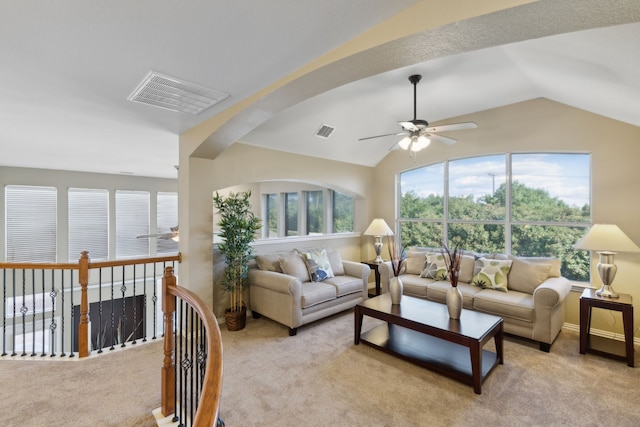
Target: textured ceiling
(68, 67)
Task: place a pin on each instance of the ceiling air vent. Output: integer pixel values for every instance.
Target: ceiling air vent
(325, 131)
(170, 93)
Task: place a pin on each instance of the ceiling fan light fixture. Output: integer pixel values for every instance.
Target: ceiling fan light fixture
(421, 143)
(404, 142)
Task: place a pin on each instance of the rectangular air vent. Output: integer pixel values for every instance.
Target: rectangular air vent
(325, 131)
(173, 94)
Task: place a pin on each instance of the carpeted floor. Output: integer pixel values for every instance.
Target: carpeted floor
(319, 378)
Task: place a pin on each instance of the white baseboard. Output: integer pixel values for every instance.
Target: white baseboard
(599, 333)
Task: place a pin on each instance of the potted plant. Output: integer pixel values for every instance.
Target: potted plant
(238, 228)
(397, 255)
(452, 260)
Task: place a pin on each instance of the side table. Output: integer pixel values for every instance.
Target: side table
(588, 300)
(374, 266)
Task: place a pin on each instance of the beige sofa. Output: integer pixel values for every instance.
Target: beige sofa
(293, 289)
(530, 297)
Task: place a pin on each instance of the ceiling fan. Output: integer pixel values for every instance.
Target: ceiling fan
(417, 133)
(173, 235)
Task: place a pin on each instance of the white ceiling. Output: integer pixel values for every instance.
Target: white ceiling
(68, 67)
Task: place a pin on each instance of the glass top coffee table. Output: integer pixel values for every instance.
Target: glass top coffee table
(421, 332)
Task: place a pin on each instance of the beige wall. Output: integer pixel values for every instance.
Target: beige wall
(543, 125)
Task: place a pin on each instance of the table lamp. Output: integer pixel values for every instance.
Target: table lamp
(607, 240)
(378, 228)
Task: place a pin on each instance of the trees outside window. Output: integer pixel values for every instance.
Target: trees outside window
(541, 211)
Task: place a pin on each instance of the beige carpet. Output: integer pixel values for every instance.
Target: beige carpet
(319, 378)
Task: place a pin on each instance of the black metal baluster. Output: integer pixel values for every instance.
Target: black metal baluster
(178, 332)
(44, 311)
(191, 358)
(100, 337)
(62, 311)
(113, 313)
(33, 317)
(144, 304)
(155, 301)
(23, 313)
(52, 327)
(135, 313)
(4, 315)
(73, 314)
(123, 317)
(13, 338)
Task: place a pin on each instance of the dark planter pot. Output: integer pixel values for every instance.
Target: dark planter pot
(235, 320)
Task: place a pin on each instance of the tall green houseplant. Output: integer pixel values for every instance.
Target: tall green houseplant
(238, 228)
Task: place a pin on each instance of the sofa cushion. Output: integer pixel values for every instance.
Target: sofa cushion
(415, 262)
(491, 274)
(294, 265)
(556, 264)
(438, 292)
(526, 276)
(467, 264)
(317, 263)
(345, 284)
(414, 285)
(435, 267)
(316, 292)
(513, 305)
(336, 263)
(269, 262)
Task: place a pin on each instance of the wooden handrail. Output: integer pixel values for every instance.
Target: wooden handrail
(207, 413)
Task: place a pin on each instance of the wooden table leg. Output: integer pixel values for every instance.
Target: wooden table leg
(498, 340)
(358, 325)
(627, 320)
(476, 366)
(585, 321)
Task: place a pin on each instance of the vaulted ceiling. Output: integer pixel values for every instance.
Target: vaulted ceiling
(68, 68)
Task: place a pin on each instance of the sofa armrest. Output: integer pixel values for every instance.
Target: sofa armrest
(552, 292)
(385, 271)
(274, 281)
(356, 269)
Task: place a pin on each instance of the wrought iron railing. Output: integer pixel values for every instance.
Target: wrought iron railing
(60, 310)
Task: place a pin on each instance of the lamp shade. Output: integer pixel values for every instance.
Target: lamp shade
(606, 237)
(378, 227)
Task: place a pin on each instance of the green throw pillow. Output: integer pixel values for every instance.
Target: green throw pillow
(491, 273)
(435, 267)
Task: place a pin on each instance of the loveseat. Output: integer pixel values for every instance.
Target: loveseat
(529, 293)
(298, 287)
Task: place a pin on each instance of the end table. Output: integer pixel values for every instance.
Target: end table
(588, 300)
(374, 266)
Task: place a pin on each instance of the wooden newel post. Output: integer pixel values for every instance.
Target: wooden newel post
(83, 328)
(169, 366)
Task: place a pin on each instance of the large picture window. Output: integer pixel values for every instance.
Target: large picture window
(541, 211)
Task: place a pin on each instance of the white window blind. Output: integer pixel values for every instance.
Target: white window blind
(88, 223)
(31, 223)
(132, 219)
(167, 219)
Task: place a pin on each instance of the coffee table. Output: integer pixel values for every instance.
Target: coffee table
(421, 332)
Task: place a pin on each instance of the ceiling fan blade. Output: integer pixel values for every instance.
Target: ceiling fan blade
(409, 126)
(441, 139)
(380, 136)
(452, 126)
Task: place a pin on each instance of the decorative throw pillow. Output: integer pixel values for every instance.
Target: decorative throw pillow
(526, 276)
(318, 265)
(435, 267)
(414, 264)
(491, 273)
(335, 260)
(294, 265)
(269, 262)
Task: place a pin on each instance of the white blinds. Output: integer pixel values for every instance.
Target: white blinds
(31, 223)
(167, 218)
(132, 219)
(88, 223)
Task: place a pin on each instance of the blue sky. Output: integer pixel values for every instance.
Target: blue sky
(565, 176)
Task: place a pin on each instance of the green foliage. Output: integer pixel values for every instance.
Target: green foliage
(425, 219)
(238, 228)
